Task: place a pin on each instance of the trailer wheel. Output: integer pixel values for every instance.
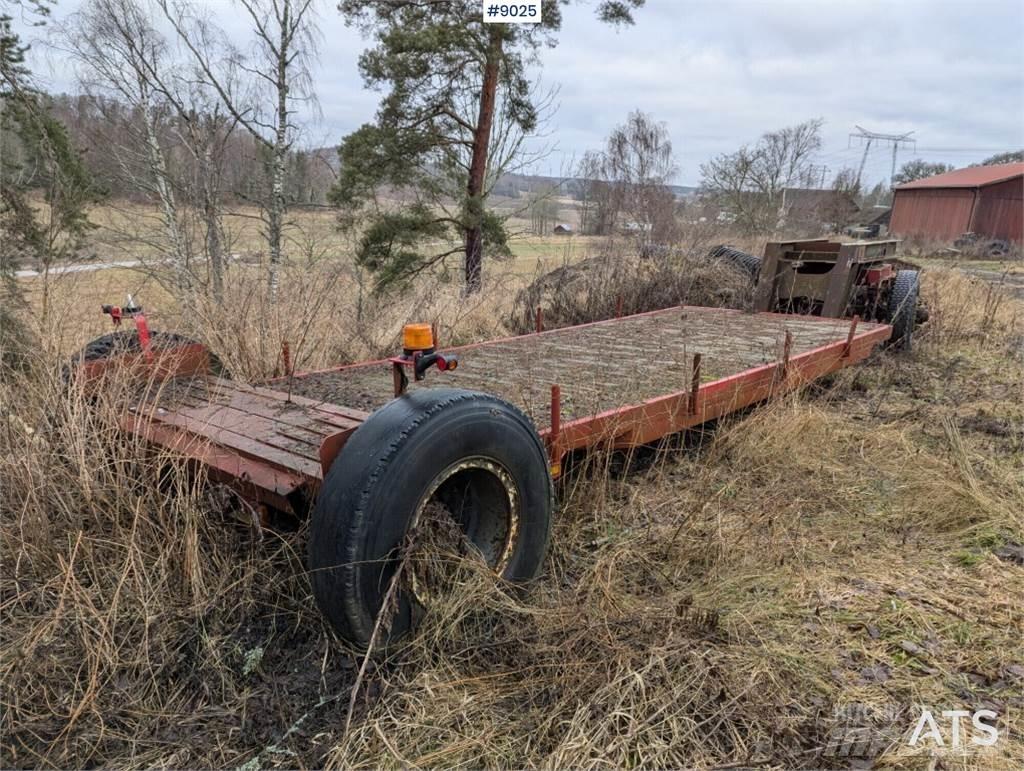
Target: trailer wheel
(902, 309)
(747, 263)
(997, 249)
(477, 455)
(123, 342)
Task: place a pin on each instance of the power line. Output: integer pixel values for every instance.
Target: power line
(814, 172)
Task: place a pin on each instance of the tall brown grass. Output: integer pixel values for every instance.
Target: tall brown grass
(706, 603)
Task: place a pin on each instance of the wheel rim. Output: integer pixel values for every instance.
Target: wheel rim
(481, 497)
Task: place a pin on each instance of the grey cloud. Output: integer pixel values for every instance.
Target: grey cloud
(721, 73)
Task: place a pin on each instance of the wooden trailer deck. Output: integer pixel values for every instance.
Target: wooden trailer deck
(619, 383)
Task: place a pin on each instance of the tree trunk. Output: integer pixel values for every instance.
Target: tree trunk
(275, 215)
(214, 250)
(168, 205)
(211, 214)
(276, 210)
(478, 164)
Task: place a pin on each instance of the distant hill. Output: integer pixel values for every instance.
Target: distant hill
(509, 185)
(515, 185)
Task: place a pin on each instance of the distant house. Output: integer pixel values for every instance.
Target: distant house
(811, 206)
(562, 229)
(987, 200)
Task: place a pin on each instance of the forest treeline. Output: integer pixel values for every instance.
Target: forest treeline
(96, 124)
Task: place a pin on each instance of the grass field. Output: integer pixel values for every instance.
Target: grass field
(124, 231)
(786, 591)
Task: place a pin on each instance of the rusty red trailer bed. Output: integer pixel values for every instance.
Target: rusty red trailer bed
(614, 383)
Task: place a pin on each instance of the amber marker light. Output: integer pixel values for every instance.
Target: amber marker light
(417, 337)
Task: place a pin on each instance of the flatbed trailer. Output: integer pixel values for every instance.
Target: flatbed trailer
(485, 438)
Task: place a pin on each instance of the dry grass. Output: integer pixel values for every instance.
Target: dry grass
(707, 603)
(596, 288)
(125, 231)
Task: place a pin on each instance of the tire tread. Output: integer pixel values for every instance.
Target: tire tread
(373, 447)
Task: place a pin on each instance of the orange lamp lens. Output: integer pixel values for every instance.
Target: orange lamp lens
(417, 337)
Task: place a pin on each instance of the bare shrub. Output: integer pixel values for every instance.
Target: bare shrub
(964, 310)
(601, 287)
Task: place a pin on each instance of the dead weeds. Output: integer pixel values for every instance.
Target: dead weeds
(785, 593)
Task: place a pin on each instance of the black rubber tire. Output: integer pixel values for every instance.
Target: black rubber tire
(748, 263)
(384, 472)
(902, 311)
(997, 249)
(124, 341)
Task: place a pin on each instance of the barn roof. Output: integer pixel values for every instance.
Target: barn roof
(975, 176)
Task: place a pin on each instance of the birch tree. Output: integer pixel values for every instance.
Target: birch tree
(165, 130)
(119, 53)
(262, 89)
(639, 163)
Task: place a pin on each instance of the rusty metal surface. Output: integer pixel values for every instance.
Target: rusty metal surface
(257, 436)
(621, 382)
(166, 363)
(601, 366)
(780, 282)
(646, 422)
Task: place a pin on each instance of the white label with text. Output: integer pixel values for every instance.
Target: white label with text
(522, 12)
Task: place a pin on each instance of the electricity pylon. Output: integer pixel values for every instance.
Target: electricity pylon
(871, 136)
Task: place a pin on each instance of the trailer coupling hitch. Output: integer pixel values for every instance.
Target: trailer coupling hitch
(130, 310)
(134, 312)
(419, 354)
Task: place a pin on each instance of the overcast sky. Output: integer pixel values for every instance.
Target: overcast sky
(721, 72)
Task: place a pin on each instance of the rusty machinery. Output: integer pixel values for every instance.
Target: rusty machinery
(821, 277)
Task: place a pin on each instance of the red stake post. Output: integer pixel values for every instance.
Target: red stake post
(849, 337)
(142, 326)
(556, 426)
(695, 383)
(286, 358)
(783, 368)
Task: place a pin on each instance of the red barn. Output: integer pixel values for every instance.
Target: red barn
(987, 200)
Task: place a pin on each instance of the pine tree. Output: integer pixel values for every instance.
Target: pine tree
(37, 156)
(459, 106)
